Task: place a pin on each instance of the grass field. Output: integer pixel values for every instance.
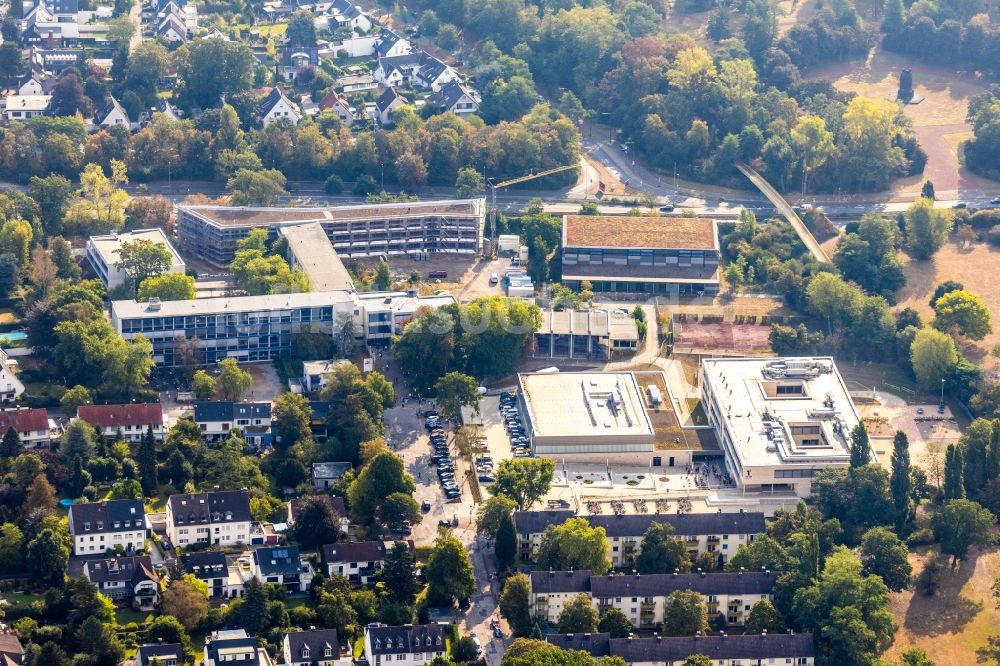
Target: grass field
(956, 621)
(970, 268)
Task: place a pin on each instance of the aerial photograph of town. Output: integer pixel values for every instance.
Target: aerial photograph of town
(499, 332)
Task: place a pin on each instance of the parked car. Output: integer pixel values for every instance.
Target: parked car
(487, 478)
(669, 208)
(425, 506)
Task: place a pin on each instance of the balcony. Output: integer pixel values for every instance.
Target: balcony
(714, 539)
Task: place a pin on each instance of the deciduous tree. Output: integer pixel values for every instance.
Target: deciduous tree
(233, 382)
(578, 616)
(927, 228)
(574, 545)
(524, 480)
(962, 312)
(449, 572)
(684, 614)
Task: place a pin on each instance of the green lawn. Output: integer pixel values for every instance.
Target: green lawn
(126, 615)
(18, 599)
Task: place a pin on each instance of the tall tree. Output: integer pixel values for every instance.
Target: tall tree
(291, 419)
(959, 525)
(48, 557)
(233, 382)
(317, 522)
(491, 513)
(515, 604)
(578, 616)
(764, 617)
(900, 483)
(454, 391)
(380, 478)
(186, 599)
(524, 480)
(954, 481)
(506, 543)
(860, 447)
(933, 356)
(10, 446)
(927, 228)
(574, 544)
(884, 554)
(147, 463)
(301, 29)
(993, 452)
(448, 572)
(964, 313)
(398, 575)
(616, 623)
(685, 614)
(661, 552)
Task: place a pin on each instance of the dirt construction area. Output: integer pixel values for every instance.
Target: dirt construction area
(938, 120)
(721, 335)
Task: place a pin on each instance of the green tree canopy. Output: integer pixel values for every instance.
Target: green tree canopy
(524, 480)
(574, 545)
(962, 312)
(578, 616)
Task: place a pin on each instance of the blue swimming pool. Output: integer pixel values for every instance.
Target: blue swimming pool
(14, 336)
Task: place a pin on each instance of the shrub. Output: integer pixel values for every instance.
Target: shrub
(993, 235)
(921, 537)
(985, 219)
(333, 185)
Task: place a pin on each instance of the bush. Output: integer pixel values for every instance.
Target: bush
(333, 185)
(921, 537)
(985, 219)
(993, 235)
(364, 186)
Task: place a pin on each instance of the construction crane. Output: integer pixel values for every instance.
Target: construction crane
(514, 181)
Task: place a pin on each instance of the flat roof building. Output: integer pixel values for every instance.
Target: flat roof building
(674, 256)
(247, 328)
(103, 253)
(584, 412)
(310, 250)
(586, 334)
(367, 230)
(778, 420)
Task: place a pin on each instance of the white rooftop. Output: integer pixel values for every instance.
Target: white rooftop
(402, 304)
(322, 367)
(312, 252)
(108, 246)
(585, 404)
(773, 407)
(225, 305)
(28, 102)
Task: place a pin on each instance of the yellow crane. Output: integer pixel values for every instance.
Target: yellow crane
(514, 181)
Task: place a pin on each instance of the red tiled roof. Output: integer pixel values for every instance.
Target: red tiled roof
(24, 420)
(111, 416)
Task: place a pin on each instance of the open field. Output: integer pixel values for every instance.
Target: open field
(972, 267)
(956, 621)
(938, 121)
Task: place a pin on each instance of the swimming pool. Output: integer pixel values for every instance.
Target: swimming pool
(14, 336)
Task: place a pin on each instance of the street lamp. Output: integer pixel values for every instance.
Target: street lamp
(942, 391)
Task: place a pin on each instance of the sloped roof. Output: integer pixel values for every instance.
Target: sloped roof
(273, 98)
(211, 507)
(449, 95)
(129, 514)
(386, 100)
(24, 420)
(113, 416)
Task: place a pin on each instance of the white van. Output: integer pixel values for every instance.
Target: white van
(494, 279)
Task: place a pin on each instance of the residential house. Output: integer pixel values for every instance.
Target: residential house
(103, 526)
(343, 13)
(282, 566)
(133, 420)
(186, 13)
(337, 105)
(34, 83)
(129, 577)
(315, 373)
(407, 645)
(10, 385)
(11, 650)
(217, 418)
(31, 425)
(234, 645)
(336, 503)
(292, 61)
(162, 106)
(552, 590)
(23, 107)
(166, 654)
(642, 598)
(220, 518)
(456, 98)
(356, 561)
(718, 533)
(418, 69)
(112, 114)
(721, 650)
(390, 44)
(356, 83)
(211, 568)
(326, 474)
(318, 421)
(172, 30)
(277, 106)
(386, 104)
(316, 647)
